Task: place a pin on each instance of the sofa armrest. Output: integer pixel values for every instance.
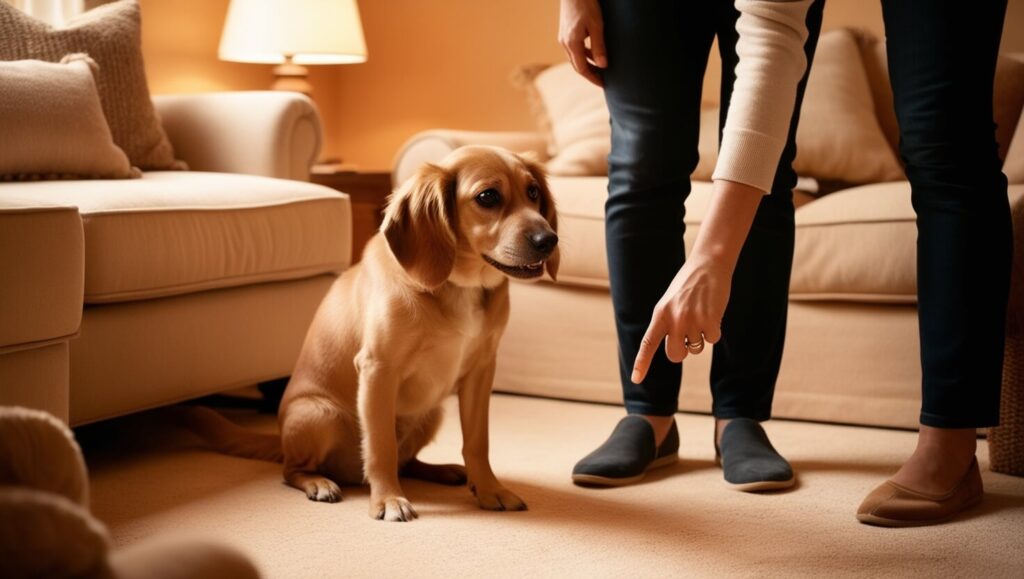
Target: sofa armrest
(432, 146)
(42, 257)
(269, 133)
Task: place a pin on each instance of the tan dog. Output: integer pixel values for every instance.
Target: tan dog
(417, 320)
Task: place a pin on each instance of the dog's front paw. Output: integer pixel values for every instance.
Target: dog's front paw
(498, 499)
(392, 509)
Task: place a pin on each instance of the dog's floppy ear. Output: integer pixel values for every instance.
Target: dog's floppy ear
(419, 225)
(547, 205)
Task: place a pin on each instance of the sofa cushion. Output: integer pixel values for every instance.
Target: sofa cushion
(41, 264)
(112, 36)
(180, 232)
(580, 202)
(53, 124)
(859, 244)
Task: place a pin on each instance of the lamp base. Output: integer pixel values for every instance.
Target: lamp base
(291, 76)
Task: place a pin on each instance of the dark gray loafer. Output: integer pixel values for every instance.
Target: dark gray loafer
(748, 459)
(627, 455)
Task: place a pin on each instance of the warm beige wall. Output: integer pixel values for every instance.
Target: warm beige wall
(432, 63)
(440, 63)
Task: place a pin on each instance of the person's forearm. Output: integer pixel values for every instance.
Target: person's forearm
(772, 35)
(726, 225)
(771, 41)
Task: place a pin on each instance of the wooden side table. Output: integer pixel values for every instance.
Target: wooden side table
(368, 192)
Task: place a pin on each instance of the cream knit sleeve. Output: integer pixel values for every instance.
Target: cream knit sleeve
(771, 41)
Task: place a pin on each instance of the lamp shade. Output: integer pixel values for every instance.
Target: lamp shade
(309, 31)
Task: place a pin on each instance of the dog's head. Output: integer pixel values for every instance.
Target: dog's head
(481, 213)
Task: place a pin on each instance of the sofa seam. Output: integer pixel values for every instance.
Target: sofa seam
(338, 195)
(36, 344)
(196, 287)
(864, 222)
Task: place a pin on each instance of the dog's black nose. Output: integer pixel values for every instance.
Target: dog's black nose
(543, 241)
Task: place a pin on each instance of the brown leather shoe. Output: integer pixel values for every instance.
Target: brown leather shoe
(894, 505)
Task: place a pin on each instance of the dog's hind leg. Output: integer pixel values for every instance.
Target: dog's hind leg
(413, 436)
(316, 486)
(321, 448)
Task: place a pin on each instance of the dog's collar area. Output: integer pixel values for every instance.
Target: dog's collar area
(520, 271)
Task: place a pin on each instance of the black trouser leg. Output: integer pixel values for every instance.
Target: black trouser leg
(657, 53)
(746, 361)
(942, 58)
(657, 56)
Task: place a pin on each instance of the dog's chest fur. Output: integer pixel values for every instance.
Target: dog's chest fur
(450, 349)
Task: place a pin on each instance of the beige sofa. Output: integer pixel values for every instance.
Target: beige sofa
(852, 350)
(120, 295)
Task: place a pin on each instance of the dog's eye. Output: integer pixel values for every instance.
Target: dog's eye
(488, 198)
(533, 192)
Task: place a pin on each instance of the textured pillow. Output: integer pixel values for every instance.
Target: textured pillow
(111, 35)
(53, 125)
(839, 137)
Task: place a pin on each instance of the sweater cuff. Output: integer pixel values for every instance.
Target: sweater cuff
(748, 157)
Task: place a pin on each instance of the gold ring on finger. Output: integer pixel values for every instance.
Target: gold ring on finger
(694, 347)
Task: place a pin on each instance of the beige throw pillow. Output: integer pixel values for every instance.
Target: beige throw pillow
(876, 65)
(111, 35)
(53, 125)
(707, 146)
(1007, 99)
(839, 137)
(575, 117)
(1013, 166)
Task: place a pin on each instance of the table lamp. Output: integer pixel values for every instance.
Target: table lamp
(293, 33)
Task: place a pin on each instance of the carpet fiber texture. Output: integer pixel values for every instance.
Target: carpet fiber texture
(681, 521)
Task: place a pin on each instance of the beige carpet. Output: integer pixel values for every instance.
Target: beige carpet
(681, 522)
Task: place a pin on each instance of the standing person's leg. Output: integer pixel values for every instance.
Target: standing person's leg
(657, 53)
(942, 58)
(746, 360)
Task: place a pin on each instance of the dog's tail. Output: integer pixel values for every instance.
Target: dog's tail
(226, 437)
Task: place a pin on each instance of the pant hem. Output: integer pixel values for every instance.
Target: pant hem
(649, 409)
(730, 413)
(939, 421)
